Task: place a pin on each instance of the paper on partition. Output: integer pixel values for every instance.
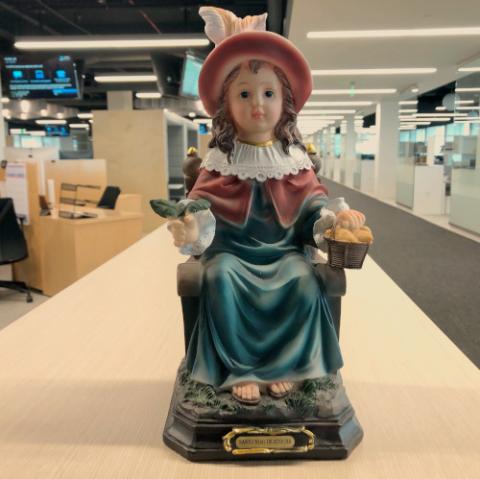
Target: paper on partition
(37, 156)
(17, 189)
(51, 192)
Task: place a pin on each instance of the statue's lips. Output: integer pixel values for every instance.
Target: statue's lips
(257, 116)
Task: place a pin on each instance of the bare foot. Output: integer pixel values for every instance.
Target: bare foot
(248, 393)
(280, 389)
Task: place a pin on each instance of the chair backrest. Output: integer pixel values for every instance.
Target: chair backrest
(13, 246)
(109, 197)
(191, 170)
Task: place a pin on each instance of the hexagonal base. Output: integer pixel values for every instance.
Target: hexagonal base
(272, 430)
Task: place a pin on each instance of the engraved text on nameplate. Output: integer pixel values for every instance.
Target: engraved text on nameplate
(271, 442)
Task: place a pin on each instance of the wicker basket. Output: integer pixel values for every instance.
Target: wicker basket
(345, 255)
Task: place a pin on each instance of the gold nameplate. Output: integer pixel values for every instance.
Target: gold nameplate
(269, 440)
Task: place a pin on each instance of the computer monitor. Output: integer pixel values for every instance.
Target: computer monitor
(203, 129)
(191, 71)
(40, 77)
(57, 130)
(167, 69)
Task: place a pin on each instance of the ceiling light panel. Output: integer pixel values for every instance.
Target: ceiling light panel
(50, 122)
(374, 71)
(140, 78)
(397, 33)
(339, 103)
(102, 43)
(471, 89)
(148, 94)
(320, 117)
(356, 91)
(327, 112)
(466, 108)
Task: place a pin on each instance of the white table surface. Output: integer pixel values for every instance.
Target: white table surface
(86, 380)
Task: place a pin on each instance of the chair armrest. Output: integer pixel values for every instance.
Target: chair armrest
(189, 278)
(333, 280)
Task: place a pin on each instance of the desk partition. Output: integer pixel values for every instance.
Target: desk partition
(465, 201)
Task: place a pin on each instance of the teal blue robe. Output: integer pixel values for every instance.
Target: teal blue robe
(263, 316)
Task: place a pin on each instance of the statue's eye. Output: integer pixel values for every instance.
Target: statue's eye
(244, 94)
(269, 93)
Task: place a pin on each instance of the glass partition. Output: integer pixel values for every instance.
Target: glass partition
(328, 152)
(337, 156)
(365, 148)
(406, 168)
(338, 145)
(465, 155)
(435, 142)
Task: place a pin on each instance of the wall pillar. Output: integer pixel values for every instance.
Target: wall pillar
(119, 100)
(387, 149)
(348, 154)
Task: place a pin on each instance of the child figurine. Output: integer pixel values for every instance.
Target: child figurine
(264, 324)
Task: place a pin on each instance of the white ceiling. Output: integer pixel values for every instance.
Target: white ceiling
(443, 53)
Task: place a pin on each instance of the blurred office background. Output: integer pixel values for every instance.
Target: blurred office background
(110, 87)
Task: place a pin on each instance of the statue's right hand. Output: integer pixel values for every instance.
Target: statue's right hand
(183, 230)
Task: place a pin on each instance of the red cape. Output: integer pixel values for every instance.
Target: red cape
(231, 198)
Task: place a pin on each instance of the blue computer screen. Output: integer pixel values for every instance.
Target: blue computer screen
(57, 130)
(30, 77)
(191, 71)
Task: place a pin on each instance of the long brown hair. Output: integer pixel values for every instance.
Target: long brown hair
(286, 131)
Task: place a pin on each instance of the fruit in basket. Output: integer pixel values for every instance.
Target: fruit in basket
(363, 234)
(359, 235)
(344, 234)
(350, 228)
(351, 219)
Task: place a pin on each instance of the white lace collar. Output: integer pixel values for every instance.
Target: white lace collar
(257, 162)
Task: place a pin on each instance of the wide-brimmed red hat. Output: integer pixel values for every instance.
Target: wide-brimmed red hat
(241, 46)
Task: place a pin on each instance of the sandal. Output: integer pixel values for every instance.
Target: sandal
(279, 395)
(250, 402)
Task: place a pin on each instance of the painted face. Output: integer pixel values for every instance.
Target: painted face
(255, 103)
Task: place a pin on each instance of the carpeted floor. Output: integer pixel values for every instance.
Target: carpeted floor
(438, 269)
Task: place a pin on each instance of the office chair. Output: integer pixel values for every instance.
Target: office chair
(109, 197)
(13, 246)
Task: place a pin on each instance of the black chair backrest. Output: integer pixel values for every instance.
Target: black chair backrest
(109, 197)
(13, 246)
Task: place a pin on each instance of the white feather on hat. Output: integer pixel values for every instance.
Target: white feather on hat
(220, 23)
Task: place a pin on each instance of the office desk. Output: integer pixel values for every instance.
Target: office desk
(86, 380)
(66, 249)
